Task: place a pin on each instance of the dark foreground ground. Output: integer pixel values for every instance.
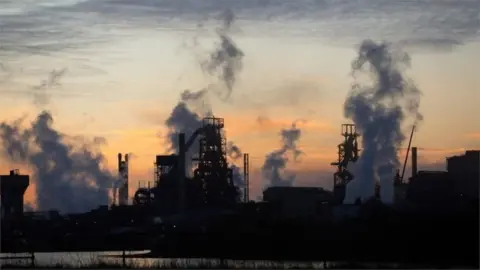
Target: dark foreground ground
(227, 265)
(432, 240)
(380, 235)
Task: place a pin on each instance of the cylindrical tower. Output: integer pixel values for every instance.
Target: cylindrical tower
(123, 175)
(414, 161)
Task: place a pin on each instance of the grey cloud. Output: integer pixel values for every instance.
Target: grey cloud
(46, 30)
(431, 23)
(43, 29)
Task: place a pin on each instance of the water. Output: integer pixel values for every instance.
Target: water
(83, 259)
(75, 259)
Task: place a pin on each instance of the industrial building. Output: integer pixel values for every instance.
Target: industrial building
(430, 187)
(465, 169)
(178, 213)
(296, 202)
(12, 189)
(459, 183)
(211, 185)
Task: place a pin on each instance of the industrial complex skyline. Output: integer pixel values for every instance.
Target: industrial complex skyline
(125, 75)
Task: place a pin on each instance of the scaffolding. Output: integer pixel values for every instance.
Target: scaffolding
(347, 152)
(212, 170)
(246, 177)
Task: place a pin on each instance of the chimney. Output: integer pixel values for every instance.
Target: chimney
(246, 195)
(414, 161)
(119, 162)
(123, 177)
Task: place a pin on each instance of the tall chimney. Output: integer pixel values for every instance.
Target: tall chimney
(246, 195)
(119, 162)
(123, 177)
(414, 161)
(181, 172)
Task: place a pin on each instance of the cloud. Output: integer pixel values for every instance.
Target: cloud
(41, 87)
(438, 44)
(41, 33)
(44, 29)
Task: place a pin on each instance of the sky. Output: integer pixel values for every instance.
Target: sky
(126, 63)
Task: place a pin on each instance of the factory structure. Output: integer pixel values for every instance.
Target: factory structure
(458, 183)
(173, 190)
(211, 185)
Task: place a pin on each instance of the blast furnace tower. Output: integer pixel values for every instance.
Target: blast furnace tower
(211, 186)
(212, 170)
(347, 152)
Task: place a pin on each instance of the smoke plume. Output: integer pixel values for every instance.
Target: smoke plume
(224, 62)
(235, 153)
(276, 161)
(184, 120)
(67, 171)
(40, 95)
(378, 110)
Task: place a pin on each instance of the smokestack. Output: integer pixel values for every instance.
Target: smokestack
(122, 183)
(126, 176)
(245, 178)
(119, 162)
(181, 171)
(414, 161)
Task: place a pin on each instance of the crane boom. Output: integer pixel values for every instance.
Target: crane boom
(408, 151)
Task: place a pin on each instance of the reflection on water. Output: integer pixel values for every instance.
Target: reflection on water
(77, 259)
(82, 259)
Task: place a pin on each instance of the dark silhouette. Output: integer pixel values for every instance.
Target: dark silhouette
(434, 219)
